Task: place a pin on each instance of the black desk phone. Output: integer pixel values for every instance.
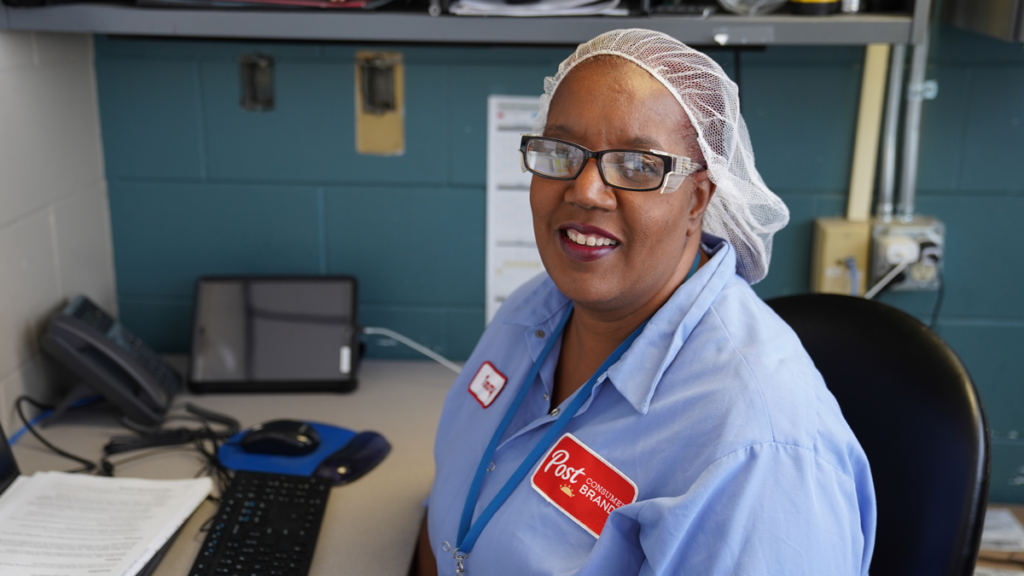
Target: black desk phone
(112, 361)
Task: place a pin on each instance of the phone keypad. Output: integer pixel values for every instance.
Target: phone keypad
(169, 381)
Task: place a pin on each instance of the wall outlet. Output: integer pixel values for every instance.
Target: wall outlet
(836, 240)
(922, 242)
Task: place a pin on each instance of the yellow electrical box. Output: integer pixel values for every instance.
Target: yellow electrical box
(836, 240)
(380, 103)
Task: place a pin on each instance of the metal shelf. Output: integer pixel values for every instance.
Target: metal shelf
(412, 27)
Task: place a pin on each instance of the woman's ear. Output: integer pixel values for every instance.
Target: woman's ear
(700, 196)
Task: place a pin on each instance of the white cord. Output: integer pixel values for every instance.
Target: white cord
(415, 346)
(885, 280)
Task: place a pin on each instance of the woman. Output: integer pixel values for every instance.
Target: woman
(637, 409)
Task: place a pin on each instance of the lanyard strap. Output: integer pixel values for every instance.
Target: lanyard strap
(481, 469)
(469, 531)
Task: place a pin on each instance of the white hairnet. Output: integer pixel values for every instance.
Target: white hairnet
(743, 210)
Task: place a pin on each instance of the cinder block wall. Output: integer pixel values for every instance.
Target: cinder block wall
(199, 186)
(54, 219)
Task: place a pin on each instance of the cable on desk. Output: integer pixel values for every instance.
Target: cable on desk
(49, 412)
(159, 437)
(415, 346)
(87, 465)
(149, 437)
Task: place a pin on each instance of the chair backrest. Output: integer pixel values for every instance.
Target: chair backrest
(918, 417)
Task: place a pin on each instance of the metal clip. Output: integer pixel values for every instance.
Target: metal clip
(460, 570)
(927, 90)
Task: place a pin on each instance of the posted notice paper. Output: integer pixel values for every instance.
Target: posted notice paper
(58, 524)
(512, 256)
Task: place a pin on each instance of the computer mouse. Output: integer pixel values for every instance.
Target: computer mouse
(350, 463)
(281, 438)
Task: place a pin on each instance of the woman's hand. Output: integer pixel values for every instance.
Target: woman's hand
(423, 562)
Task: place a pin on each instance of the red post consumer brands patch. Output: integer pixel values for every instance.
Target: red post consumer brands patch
(487, 384)
(579, 482)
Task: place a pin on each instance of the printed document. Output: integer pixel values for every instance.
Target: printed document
(512, 256)
(1002, 531)
(984, 571)
(58, 524)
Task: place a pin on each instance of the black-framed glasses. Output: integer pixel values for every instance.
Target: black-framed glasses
(636, 170)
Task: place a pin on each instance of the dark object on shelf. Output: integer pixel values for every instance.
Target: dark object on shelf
(888, 5)
(752, 7)
(918, 417)
(33, 3)
(271, 4)
(814, 7)
(701, 9)
(1002, 19)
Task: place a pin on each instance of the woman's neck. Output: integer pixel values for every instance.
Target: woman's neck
(590, 336)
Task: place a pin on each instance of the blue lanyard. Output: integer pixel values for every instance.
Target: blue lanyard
(469, 531)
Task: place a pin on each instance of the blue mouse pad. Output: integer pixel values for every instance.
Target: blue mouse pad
(332, 439)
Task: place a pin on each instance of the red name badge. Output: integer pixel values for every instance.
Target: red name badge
(582, 484)
(487, 384)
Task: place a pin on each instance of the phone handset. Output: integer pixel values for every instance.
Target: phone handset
(112, 361)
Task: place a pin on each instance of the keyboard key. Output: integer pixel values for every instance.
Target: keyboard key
(288, 512)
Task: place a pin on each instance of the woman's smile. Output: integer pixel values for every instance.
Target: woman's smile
(584, 243)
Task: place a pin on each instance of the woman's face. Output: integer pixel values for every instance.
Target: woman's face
(610, 103)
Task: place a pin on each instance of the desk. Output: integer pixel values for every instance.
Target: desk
(370, 526)
(1009, 561)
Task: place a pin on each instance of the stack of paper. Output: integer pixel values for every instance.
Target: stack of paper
(536, 8)
(1002, 531)
(1002, 540)
(54, 523)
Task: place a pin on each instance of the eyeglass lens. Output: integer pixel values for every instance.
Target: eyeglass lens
(622, 169)
(553, 158)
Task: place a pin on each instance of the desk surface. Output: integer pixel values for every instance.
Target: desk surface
(370, 526)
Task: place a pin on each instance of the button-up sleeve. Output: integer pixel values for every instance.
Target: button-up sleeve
(766, 509)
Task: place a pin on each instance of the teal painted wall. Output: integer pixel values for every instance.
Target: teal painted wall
(197, 186)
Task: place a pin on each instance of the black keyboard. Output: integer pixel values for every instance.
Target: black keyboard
(267, 525)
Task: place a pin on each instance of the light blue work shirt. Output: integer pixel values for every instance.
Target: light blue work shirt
(740, 454)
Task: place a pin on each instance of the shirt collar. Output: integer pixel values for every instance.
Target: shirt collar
(545, 303)
(637, 373)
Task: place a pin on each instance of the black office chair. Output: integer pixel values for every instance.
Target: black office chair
(917, 414)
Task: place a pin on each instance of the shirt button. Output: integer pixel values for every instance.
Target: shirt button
(554, 411)
(545, 396)
(446, 546)
(539, 333)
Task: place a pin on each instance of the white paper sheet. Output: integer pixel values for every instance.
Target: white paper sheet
(57, 524)
(541, 8)
(1002, 531)
(982, 571)
(512, 256)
